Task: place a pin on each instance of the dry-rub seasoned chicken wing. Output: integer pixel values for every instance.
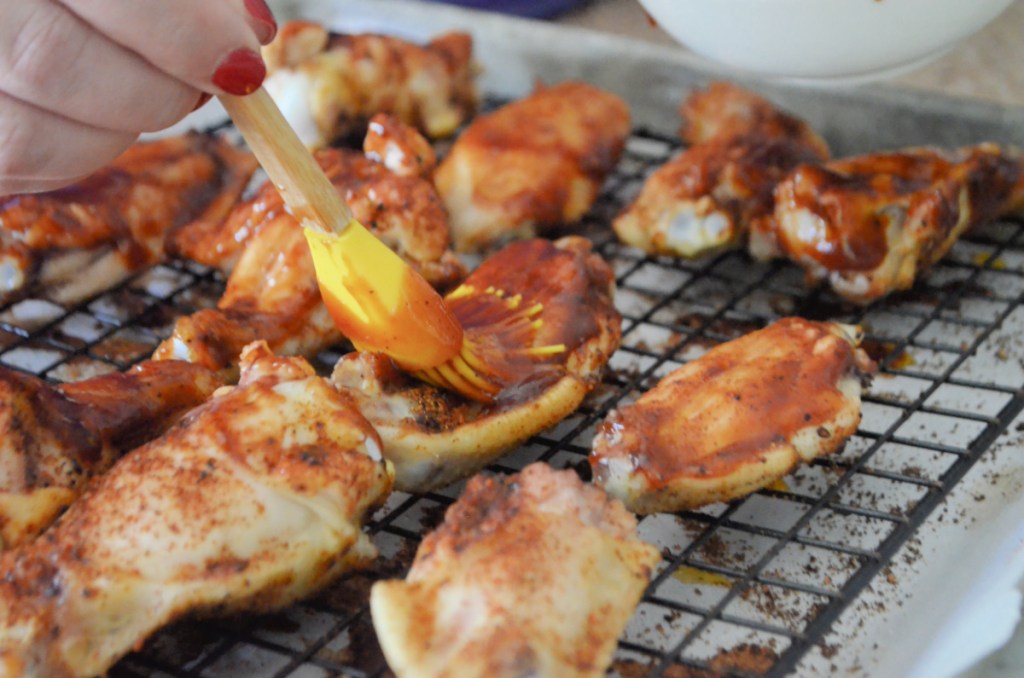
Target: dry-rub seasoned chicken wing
(533, 164)
(435, 437)
(736, 419)
(73, 242)
(872, 223)
(54, 438)
(254, 500)
(530, 575)
(707, 198)
(328, 85)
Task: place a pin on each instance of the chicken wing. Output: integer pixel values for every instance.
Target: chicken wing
(533, 164)
(254, 500)
(705, 199)
(736, 419)
(71, 243)
(724, 111)
(272, 292)
(54, 438)
(435, 437)
(329, 85)
(530, 575)
(272, 295)
(871, 224)
(404, 211)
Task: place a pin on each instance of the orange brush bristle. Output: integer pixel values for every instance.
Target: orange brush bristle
(497, 345)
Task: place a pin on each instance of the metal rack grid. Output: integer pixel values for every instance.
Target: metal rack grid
(744, 589)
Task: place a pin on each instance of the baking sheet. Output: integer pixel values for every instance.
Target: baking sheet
(973, 539)
(957, 364)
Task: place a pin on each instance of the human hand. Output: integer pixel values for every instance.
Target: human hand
(81, 79)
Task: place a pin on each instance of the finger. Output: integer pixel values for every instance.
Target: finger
(209, 44)
(52, 59)
(40, 150)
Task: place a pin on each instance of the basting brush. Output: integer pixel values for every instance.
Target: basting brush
(375, 298)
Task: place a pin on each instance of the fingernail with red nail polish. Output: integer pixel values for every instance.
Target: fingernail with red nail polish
(201, 101)
(264, 18)
(242, 72)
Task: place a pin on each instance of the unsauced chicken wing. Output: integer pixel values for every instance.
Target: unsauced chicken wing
(533, 164)
(434, 436)
(871, 224)
(254, 500)
(736, 419)
(53, 439)
(70, 243)
(707, 198)
(329, 85)
(724, 110)
(530, 575)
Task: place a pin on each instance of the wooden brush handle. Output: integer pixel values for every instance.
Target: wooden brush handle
(308, 193)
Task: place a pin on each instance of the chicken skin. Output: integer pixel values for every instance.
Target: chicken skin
(434, 436)
(54, 438)
(272, 292)
(534, 574)
(531, 165)
(328, 85)
(254, 500)
(736, 419)
(71, 243)
(871, 224)
(705, 199)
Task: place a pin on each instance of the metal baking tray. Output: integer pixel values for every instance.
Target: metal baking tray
(816, 575)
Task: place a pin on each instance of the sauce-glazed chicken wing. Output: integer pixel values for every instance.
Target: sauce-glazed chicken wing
(403, 210)
(54, 438)
(272, 295)
(254, 500)
(328, 85)
(435, 437)
(531, 165)
(871, 224)
(71, 243)
(530, 575)
(706, 198)
(272, 292)
(736, 419)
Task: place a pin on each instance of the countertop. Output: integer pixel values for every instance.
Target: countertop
(987, 66)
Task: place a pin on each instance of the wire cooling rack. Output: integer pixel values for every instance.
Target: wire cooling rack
(744, 589)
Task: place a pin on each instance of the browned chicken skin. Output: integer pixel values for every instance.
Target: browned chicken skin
(872, 223)
(533, 164)
(707, 198)
(736, 419)
(329, 85)
(54, 438)
(534, 574)
(253, 500)
(76, 241)
(435, 437)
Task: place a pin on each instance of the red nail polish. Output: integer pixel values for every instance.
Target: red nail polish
(201, 101)
(267, 25)
(240, 73)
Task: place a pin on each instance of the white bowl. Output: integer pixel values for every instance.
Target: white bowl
(822, 39)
